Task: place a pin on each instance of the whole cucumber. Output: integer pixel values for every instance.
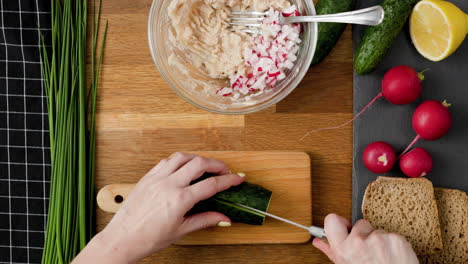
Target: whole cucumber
(377, 40)
(329, 33)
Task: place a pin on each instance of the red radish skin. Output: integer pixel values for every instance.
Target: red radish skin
(431, 121)
(416, 163)
(400, 85)
(379, 157)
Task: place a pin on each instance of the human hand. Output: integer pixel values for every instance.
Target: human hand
(364, 244)
(153, 215)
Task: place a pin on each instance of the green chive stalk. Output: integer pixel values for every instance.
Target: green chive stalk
(71, 100)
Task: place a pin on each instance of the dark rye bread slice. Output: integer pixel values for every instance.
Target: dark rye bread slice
(407, 207)
(453, 216)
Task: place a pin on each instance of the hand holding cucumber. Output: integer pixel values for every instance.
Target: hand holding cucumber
(153, 215)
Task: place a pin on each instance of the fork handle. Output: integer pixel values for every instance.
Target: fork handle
(371, 16)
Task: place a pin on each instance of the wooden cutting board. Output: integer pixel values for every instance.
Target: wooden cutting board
(286, 174)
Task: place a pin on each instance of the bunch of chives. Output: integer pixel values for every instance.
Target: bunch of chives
(71, 100)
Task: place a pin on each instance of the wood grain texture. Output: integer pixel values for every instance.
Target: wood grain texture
(131, 87)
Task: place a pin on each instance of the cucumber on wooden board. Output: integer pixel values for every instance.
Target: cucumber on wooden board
(248, 194)
(329, 33)
(377, 40)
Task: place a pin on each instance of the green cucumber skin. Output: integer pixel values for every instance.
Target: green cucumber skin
(248, 194)
(329, 33)
(245, 193)
(377, 40)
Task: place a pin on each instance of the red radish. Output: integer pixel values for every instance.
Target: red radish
(416, 163)
(431, 121)
(400, 85)
(379, 157)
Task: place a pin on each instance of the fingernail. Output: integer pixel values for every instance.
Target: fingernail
(224, 224)
(241, 174)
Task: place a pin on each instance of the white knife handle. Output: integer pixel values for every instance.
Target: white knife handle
(317, 232)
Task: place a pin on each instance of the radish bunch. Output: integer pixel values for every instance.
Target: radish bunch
(431, 120)
(379, 157)
(272, 53)
(400, 85)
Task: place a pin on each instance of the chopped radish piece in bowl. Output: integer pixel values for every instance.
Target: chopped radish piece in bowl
(272, 53)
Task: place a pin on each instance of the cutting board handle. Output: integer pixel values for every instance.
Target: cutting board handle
(111, 197)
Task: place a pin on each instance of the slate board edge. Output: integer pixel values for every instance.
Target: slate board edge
(356, 200)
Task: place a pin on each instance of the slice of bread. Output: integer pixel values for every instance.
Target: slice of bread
(407, 207)
(453, 216)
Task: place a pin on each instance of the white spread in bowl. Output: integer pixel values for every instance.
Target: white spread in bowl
(200, 28)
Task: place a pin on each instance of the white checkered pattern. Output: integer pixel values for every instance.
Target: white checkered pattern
(24, 138)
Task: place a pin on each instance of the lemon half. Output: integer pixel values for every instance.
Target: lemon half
(437, 28)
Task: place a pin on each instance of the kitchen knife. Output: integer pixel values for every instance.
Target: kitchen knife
(313, 230)
(111, 196)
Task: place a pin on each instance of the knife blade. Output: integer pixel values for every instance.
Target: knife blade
(313, 230)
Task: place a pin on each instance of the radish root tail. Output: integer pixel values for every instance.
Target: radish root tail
(409, 146)
(345, 123)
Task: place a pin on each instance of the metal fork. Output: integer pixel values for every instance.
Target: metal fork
(252, 20)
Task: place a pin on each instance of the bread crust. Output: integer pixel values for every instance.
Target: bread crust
(406, 206)
(453, 215)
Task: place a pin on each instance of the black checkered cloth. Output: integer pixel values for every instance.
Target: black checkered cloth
(24, 137)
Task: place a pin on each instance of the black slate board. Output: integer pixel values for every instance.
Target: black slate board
(446, 80)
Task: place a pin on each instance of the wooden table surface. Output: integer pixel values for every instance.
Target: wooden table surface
(141, 120)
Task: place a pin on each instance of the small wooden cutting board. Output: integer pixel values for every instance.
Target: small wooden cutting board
(286, 174)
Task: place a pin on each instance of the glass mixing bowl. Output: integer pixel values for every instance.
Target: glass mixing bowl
(182, 81)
